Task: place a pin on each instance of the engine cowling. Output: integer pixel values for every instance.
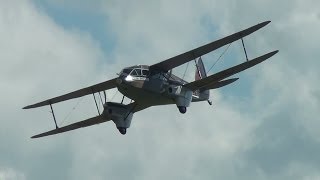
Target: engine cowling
(181, 95)
(120, 114)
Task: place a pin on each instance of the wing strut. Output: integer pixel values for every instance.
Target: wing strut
(244, 49)
(122, 99)
(105, 96)
(101, 99)
(94, 97)
(54, 117)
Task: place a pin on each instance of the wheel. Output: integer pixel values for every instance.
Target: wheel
(122, 130)
(182, 109)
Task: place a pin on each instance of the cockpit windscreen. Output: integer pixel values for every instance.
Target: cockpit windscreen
(136, 72)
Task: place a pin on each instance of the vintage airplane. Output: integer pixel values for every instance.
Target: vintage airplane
(156, 85)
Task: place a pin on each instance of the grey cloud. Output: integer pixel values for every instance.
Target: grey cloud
(38, 58)
(280, 100)
(268, 134)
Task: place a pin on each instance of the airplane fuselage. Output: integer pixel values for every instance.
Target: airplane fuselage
(141, 85)
(146, 88)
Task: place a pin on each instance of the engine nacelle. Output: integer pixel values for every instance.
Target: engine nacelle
(181, 95)
(119, 113)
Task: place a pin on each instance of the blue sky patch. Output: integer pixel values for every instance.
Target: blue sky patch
(94, 23)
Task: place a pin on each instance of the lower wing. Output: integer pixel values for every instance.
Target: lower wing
(133, 107)
(219, 84)
(215, 78)
(77, 125)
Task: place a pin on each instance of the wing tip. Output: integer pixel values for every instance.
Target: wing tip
(265, 23)
(33, 137)
(40, 104)
(266, 56)
(260, 25)
(274, 52)
(27, 107)
(37, 105)
(48, 133)
(40, 135)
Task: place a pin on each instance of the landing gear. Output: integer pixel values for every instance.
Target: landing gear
(182, 109)
(122, 130)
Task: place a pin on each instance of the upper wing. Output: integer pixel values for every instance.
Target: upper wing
(77, 125)
(82, 92)
(200, 51)
(228, 72)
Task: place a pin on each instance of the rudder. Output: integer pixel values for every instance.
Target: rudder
(200, 70)
(200, 74)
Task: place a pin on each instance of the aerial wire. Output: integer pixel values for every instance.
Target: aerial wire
(185, 71)
(219, 58)
(68, 115)
(114, 95)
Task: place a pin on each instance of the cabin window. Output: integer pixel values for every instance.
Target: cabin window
(145, 72)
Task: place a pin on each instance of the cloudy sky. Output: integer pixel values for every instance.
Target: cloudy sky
(264, 126)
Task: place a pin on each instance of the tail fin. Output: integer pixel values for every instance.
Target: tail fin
(200, 70)
(200, 74)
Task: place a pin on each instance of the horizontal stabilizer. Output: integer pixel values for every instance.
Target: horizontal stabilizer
(77, 125)
(219, 84)
(228, 72)
(79, 93)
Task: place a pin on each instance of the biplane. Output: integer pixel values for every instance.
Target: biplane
(155, 85)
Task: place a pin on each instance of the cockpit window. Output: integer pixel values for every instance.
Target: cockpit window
(127, 71)
(135, 72)
(139, 72)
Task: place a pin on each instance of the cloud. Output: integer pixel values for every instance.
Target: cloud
(269, 130)
(39, 59)
(281, 105)
(10, 174)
